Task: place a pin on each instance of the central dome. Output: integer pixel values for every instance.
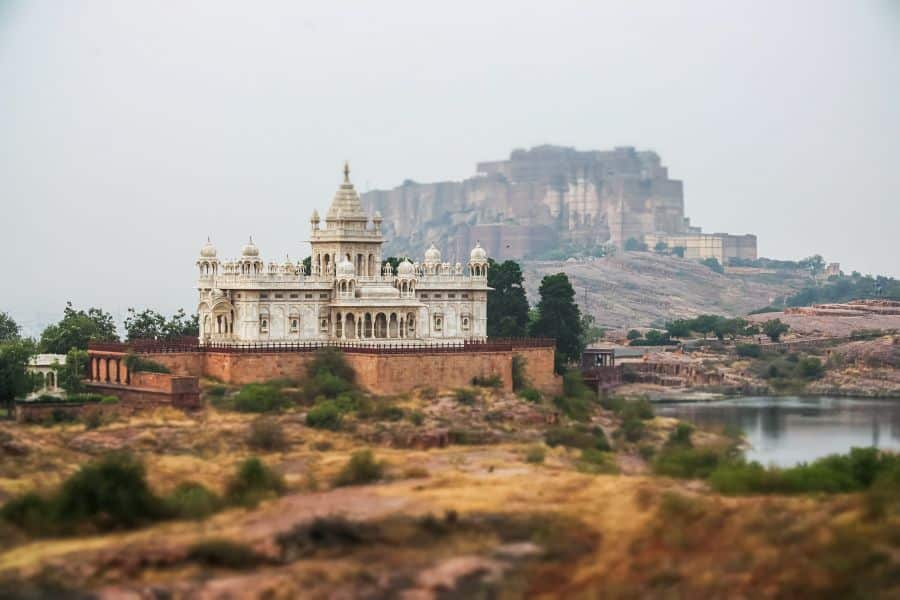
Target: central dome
(345, 268)
(346, 205)
(478, 252)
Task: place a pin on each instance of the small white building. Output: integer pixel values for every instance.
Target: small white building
(346, 294)
(47, 365)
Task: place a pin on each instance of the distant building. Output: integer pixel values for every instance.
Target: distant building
(721, 246)
(46, 365)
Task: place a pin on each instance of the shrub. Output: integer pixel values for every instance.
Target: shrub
(639, 408)
(749, 350)
(687, 463)
(362, 468)
(111, 493)
(136, 364)
(31, 512)
(416, 417)
(465, 396)
(389, 413)
(223, 553)
(324, 415)
(530, 394)
(810, 367)
(535, 454)
(519, 378)
(258, 398)
(252, 483)
(191, 500)
(576, 408)
(216, 391)
(333, 362)
(573, 385)
(109, 400)
(415, 472)
(681, 435)
(469, 436)
(83, 398)
(856, 470)
(266, 434)
(325, 384)
(576, 437)
(492, 381)
(597, 461)
(632, 429)
(428, 393)
(613, 403)
(92, 420)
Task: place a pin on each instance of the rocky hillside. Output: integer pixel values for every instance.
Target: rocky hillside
(635, 289)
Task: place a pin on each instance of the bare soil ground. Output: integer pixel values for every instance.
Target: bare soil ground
(453, 521)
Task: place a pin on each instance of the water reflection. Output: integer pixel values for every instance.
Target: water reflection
(788, 430)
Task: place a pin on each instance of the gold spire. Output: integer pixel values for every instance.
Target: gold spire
(346, 172)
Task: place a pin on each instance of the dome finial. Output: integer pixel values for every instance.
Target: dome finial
(346, 171)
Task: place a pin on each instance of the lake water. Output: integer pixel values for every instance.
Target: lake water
(788, 430)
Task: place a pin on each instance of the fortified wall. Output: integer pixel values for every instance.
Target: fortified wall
(382, 370)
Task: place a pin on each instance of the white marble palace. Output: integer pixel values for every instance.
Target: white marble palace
(347, 293)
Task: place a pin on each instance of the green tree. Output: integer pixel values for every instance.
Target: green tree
(679, 328)
(730, 328)
(634, 334)
(71, 375)
(590, 331)
(394, 262)
(307, 265)
(9, 329)
(660, 247)
(774, 328)
(15, 381)
(678, 251)
(507, 305)
(559, 318)
(151, 325)
(705, 324)
(77, 328)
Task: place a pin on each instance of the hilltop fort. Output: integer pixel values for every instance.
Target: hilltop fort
(551, 197)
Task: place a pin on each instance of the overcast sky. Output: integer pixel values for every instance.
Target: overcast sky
(129, 131)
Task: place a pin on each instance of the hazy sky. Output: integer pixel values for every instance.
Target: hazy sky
(129, 131)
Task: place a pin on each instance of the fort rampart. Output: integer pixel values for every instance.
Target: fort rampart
(379, 369)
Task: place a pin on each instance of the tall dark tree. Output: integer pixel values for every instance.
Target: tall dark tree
(9, 329)
(307, 265)
(507, 305)
(15, 381)
(559, 318)
(77, 328)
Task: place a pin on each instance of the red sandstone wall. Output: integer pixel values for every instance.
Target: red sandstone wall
(397, 374)
(180, 363)
(539, 369)
(389, 374)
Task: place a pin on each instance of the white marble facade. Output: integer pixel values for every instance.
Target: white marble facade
(347, 295)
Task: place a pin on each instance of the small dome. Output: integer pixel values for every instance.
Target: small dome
(377, 216)
(250, 249)
(478, 252)
(345, 268)
(406, 268)
(208, 250)
(433, 255)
